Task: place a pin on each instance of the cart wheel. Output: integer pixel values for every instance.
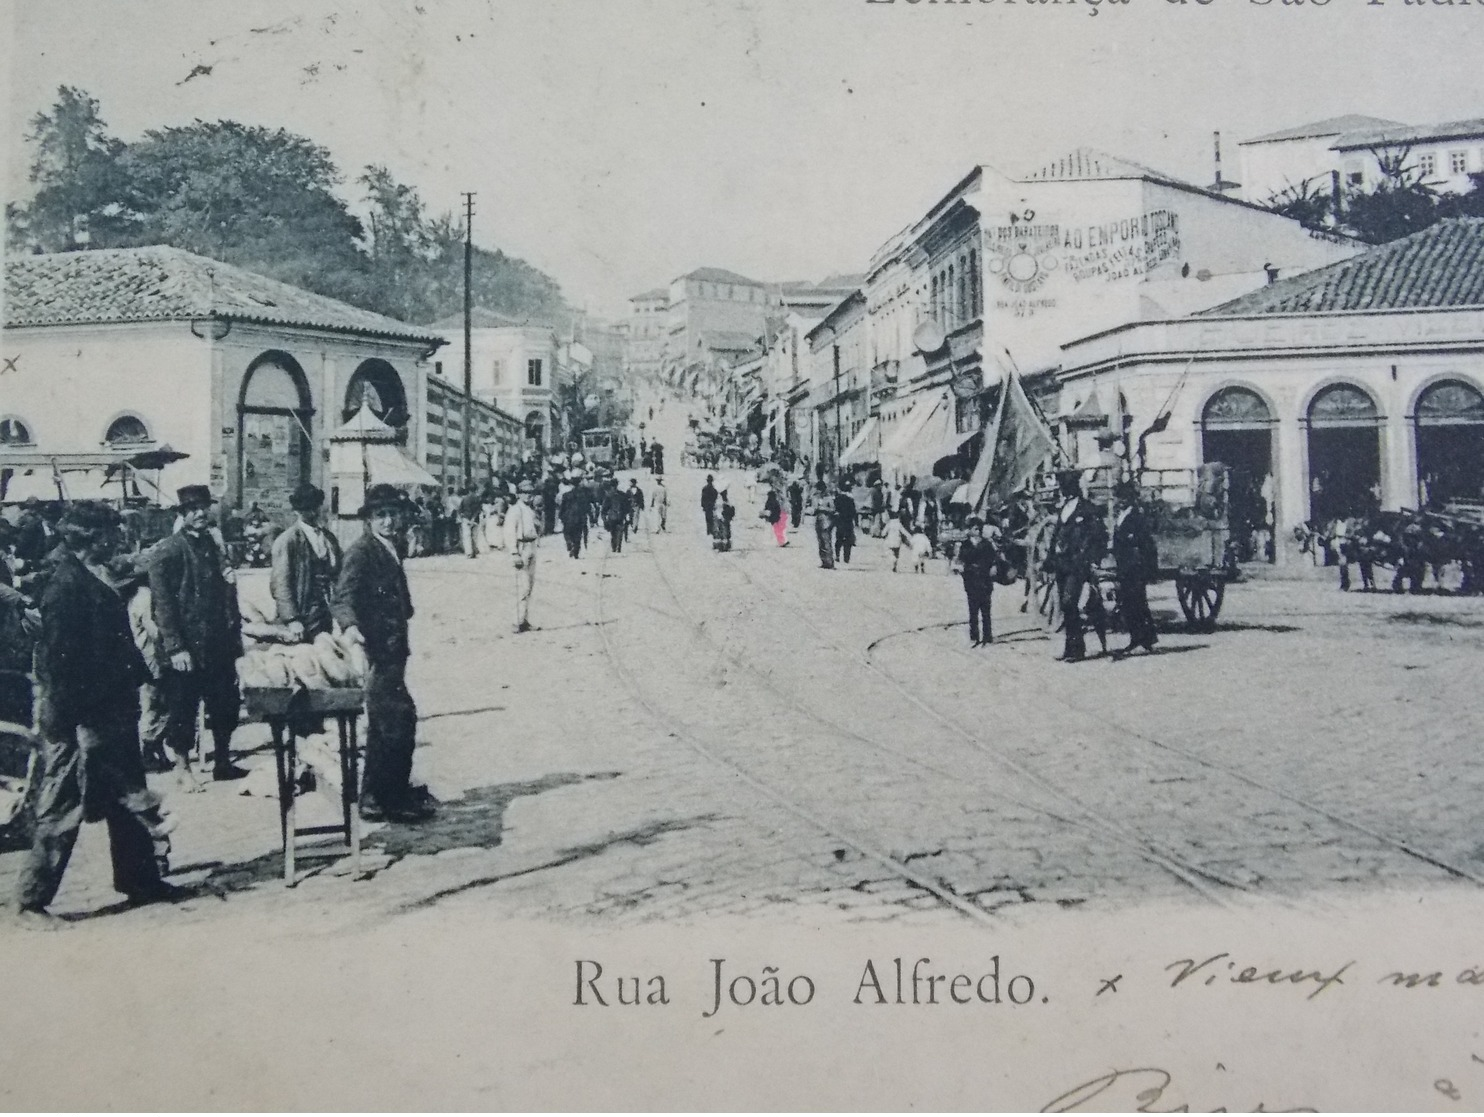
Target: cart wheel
(1200, 600)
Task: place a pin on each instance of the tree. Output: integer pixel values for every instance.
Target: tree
(1468, 204)
(266, 200)
(73, 169)
(1401, 202)
(1309, 203)
(260, 198)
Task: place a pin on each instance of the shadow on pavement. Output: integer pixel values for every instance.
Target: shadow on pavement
(477, 820)
(1248, 626)
(1438, 619)
(640, 836)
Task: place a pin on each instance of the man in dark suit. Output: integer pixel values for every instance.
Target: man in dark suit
(306, 562)
(846, 515)
(708, 504)
(373, 605)
(977, 557)
(195, 610)
(88, 673)
(1078, 540)
(1136, 562)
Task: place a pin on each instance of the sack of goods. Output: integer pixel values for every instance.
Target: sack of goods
(327, 663)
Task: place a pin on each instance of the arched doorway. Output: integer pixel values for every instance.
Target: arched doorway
(1450, 443)
(536, 430)
(1344, 453)
(376, 382)
(1237, 431)
(273, 417)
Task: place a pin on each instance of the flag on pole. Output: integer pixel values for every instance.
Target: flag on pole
(1016, 445)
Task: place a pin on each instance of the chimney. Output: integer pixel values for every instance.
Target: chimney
(1217, 141)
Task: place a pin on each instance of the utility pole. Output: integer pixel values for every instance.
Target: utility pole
(839, 446)
(468, 439)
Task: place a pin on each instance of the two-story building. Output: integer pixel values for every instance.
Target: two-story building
(1348, 148)
(515, 367)
(1004, 269)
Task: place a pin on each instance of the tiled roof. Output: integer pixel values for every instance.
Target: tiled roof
(656, 295)
(482, 318)
(720, 275)
(1442, 266)
(1334, 126)
(1404, 134)
(1087, 164)
(158, 283)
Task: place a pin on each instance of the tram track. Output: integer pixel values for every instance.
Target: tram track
(694, 739)
(1079, 815)
(1104, 722)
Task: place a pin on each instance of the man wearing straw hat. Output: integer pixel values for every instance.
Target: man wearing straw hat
(195, 611)
(373, 605)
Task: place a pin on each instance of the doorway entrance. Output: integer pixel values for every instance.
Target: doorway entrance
(1344, 454)
(1450, 444)
(1237, 431)
(273, 417)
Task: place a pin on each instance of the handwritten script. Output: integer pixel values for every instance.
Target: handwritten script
(1140, 1090)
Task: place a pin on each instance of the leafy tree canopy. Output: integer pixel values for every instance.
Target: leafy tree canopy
(264, 199)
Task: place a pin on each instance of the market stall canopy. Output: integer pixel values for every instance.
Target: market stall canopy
(364, 426)
(865, 447)
(386, 465)
(157, 458)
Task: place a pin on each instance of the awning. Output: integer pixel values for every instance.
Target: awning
(865, 446)
(389, 466)
(894, 445)
(928, 434)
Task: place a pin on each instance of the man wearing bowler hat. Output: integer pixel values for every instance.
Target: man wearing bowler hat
(1078, 540)
(306, 562)
(1136, 560)
(373, 605)
(195, 610)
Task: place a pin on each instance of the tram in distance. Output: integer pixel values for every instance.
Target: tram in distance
(598, 445)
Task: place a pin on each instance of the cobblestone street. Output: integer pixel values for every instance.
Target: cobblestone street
(692, 734)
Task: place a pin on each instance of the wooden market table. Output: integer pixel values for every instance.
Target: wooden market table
(285, 710)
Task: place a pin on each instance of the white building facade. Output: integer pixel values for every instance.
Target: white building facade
(147, 347)
(1360, 386)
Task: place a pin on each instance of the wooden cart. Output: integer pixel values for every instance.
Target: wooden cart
(286, 710)
(1191, 535)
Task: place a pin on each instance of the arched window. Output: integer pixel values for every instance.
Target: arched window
(376, 382)
(1450, 402)
(127, 430)
(1236, 407)
(14, 432)
(1343, 405)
